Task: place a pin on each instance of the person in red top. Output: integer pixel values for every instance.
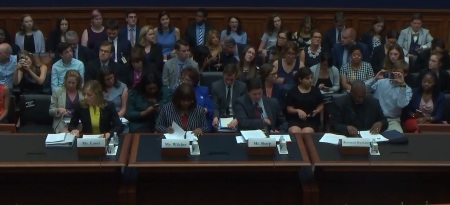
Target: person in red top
(4, 103)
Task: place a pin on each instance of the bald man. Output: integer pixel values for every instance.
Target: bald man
(8, 64)
(357, 112)
(340, 50)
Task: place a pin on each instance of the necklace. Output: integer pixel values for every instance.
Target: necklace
(313, 55)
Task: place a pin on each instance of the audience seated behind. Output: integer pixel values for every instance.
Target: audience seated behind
(269, 38)
(29, 38)
(67, 62)
(213, 45)
(64, 99)
(247, 64)
(103, 62)
(150, 48)
(172, 68)
(421, 40)
(30, 74)
(144, 102)
(333, 35)
(184, 111)
(95, 32)
(347, 41)
(200, 26)
(426, 105)
(435, 64)
(375, 36)
(166, 34)
(224, 94)
(437, 46)
(310, 55)
(131, 30)
(6, 38)
(138, 67)
(80, 52)
(356, 69)
(97, 115)
(303, 35)
(288, 65)
(357, 111)
(8, 63)
(114, 90)
(380, 54)
(304, 104)
(57, 35)
(275, 52)
(120, 49)
(255, 111)
(268, 75)
(325, 75)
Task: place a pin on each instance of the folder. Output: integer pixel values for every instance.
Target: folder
(60, 140)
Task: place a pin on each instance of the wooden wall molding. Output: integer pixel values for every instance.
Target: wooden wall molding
(253, 19)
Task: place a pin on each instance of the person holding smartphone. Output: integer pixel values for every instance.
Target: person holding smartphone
(30, 74)
(144, 101)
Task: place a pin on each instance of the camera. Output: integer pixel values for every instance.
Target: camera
(389, 75)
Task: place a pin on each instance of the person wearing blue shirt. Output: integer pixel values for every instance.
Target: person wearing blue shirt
(67, 62)
(392, 92)
(234, 30)
(8, 64)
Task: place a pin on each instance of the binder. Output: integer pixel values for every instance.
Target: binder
(60, 140)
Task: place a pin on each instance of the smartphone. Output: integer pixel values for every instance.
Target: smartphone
(389, 75)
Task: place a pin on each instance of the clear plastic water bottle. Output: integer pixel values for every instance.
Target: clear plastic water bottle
(115, 139)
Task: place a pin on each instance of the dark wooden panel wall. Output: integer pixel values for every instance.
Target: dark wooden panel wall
(253, 19)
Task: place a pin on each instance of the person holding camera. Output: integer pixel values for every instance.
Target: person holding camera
(392, 92)
(30, 74)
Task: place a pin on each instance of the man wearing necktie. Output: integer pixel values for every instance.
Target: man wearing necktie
(255, 111)
(121, 47)
(131, 30)
(195, 33)
(415, 39)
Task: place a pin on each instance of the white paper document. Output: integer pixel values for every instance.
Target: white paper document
(331, 138)
(178, 133)
(52, 138)
(368, 135)
(252, 134)
(91, 136)
(240, 139)
(59, 140)
(223, 122)
(277, 137)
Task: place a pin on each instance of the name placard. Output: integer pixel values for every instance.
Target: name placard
(262, 142)
(355, 142)
(174, 143)
(91, 142)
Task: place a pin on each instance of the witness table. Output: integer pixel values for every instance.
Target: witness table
(424, 153)
(24, 159)
(219, 153)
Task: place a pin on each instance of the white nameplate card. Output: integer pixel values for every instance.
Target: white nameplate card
(355, 142)
(91, 142)
(174, 143)
(262, 142)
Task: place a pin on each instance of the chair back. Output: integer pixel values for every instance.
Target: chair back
(34, 109)
(208, 78)
(434, 128)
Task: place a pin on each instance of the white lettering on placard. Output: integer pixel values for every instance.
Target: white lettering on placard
(356, 142)
(262, 142)
(91, 142)
(175, 143)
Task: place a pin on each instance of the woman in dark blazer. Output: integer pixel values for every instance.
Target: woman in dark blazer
(184, 111)
(97, 115)
(151, 49)
(138, 67)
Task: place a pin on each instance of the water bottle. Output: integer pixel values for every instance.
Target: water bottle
(115, 139)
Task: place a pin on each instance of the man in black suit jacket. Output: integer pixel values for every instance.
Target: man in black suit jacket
(255, 111)
(219, 90)
(357, 111)
(332, 36)
(80, 52)
(104, 61)
(121, 49)
(192, 31)
(348, 39)
(130, 28)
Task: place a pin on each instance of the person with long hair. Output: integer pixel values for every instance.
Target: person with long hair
(426, 105)
(269, 38)
(138, 68)
(57, 35)
(394, 54)
(269, 74)
(435, 64)
(97, 115)
(234, 29)
(213, 44)
(151, 49)
(30, 74)
(166, 34)
(144, 102)
(288, 65)
(64, 99)
(275, 52)
(379, 53)
(95, 32)
(310, 55)
(114, 90)
(374, 37)
(30, 38)
(6, 38)
(304, 33)
(247, 64)
(304, 103)
(184, 111)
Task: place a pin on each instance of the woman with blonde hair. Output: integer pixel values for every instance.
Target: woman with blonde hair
(152, 50)
(64, 99)
(97, 115)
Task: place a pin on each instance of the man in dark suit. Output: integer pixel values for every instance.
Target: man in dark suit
(255, 111)
(131, 30)
(357, 111)
(333, 35)
(121, 47)
(224, 94)
(340, 53)
(104, 61)
(195, 34)
(80, 52)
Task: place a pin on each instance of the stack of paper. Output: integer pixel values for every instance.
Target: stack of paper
(331, 138)
(59, 140)
(252, 134)
(377, 137)
(179, 133)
